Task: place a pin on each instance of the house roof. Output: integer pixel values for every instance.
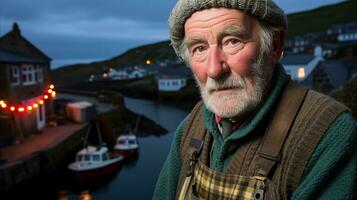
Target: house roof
(15, 44)
(337, 70)
(297, 59)
(6, 56)
(179, 71)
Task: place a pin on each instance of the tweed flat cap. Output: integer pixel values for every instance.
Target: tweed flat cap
(265, 10)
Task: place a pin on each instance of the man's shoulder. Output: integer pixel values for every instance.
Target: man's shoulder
(315, 98)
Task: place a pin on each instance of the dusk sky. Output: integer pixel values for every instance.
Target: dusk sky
(76, 31)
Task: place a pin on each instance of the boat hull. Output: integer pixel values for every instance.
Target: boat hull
(84, 175)
(127, 153)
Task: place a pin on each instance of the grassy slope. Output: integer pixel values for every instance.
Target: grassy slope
(320, 19)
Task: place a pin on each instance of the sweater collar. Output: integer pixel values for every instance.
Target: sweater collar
(279, 80)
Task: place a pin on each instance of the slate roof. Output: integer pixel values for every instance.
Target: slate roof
(15, 47)
(337, 70)
(173, 72)
(297, 59)
(6, 56)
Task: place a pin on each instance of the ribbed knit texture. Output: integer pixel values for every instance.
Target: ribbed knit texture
(265, 10)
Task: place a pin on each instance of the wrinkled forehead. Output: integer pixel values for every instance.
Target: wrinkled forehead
(217, 16)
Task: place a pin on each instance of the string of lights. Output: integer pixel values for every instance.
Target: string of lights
(29, 107)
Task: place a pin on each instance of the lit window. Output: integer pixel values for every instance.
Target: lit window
(28, 75)
(38, 73)
(14, 75)
(301, 72)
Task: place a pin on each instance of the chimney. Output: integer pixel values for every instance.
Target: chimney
(16, 29)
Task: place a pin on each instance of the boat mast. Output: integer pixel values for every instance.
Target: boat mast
(99, 134)
(137, 124)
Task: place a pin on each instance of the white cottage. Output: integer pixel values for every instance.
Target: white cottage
(172, 79)
(299, 66)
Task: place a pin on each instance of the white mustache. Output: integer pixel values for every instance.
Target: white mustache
(232, 81)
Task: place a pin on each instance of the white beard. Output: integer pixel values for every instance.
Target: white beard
(246, 95)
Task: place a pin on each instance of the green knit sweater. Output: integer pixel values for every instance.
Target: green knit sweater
(330, 174)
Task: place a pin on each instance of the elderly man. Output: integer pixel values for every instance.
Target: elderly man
(257, 135)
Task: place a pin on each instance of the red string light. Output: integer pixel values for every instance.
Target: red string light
(49, 92)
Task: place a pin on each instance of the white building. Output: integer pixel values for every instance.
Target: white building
(347, 36)
(138, 73)
(173, 79)
(171, 83)
(299, 66)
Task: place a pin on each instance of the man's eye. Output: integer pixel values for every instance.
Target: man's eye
(232, 41)
(198, 49)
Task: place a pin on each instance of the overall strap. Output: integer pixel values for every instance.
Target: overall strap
(192, 141)
(279, 128)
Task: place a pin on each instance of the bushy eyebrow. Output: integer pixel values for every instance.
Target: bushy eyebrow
(235, 31)
(192, 41)
(229, 31)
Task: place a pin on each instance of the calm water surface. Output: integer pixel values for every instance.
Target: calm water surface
(136, 180)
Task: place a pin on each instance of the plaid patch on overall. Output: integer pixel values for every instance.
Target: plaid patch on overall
(210, 184)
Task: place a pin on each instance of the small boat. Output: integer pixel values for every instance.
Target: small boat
(95, 162)
(127, 144)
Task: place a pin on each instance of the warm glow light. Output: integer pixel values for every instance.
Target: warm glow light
(31, 106)
(148, 62)
(301, 72)
(105, 75)
(85, 195)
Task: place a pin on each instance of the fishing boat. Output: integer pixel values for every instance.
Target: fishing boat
(95, 161)
(127, 144)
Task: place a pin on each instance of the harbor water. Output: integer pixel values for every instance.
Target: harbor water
(136, 179)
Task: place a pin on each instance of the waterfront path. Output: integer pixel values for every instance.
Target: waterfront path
(47, 139)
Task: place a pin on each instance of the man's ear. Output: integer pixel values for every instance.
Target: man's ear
(278, 44)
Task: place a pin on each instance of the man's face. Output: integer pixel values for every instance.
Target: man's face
(225, 56)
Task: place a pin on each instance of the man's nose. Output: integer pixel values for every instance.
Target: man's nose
(216, 65)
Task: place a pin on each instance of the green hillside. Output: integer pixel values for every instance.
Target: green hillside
(320, 19)
(137, 56)
(315, 20)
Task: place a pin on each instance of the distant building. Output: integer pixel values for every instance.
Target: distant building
(125, 73)
(302, 43)
(343, 32)
(331, 74)
(173, 79)
(137, 73)
(350, 35)
(24, 87)
(299, 66)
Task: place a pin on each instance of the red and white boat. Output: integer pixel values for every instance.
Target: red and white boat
(95, 162)
(92, 162)
(127, 145)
